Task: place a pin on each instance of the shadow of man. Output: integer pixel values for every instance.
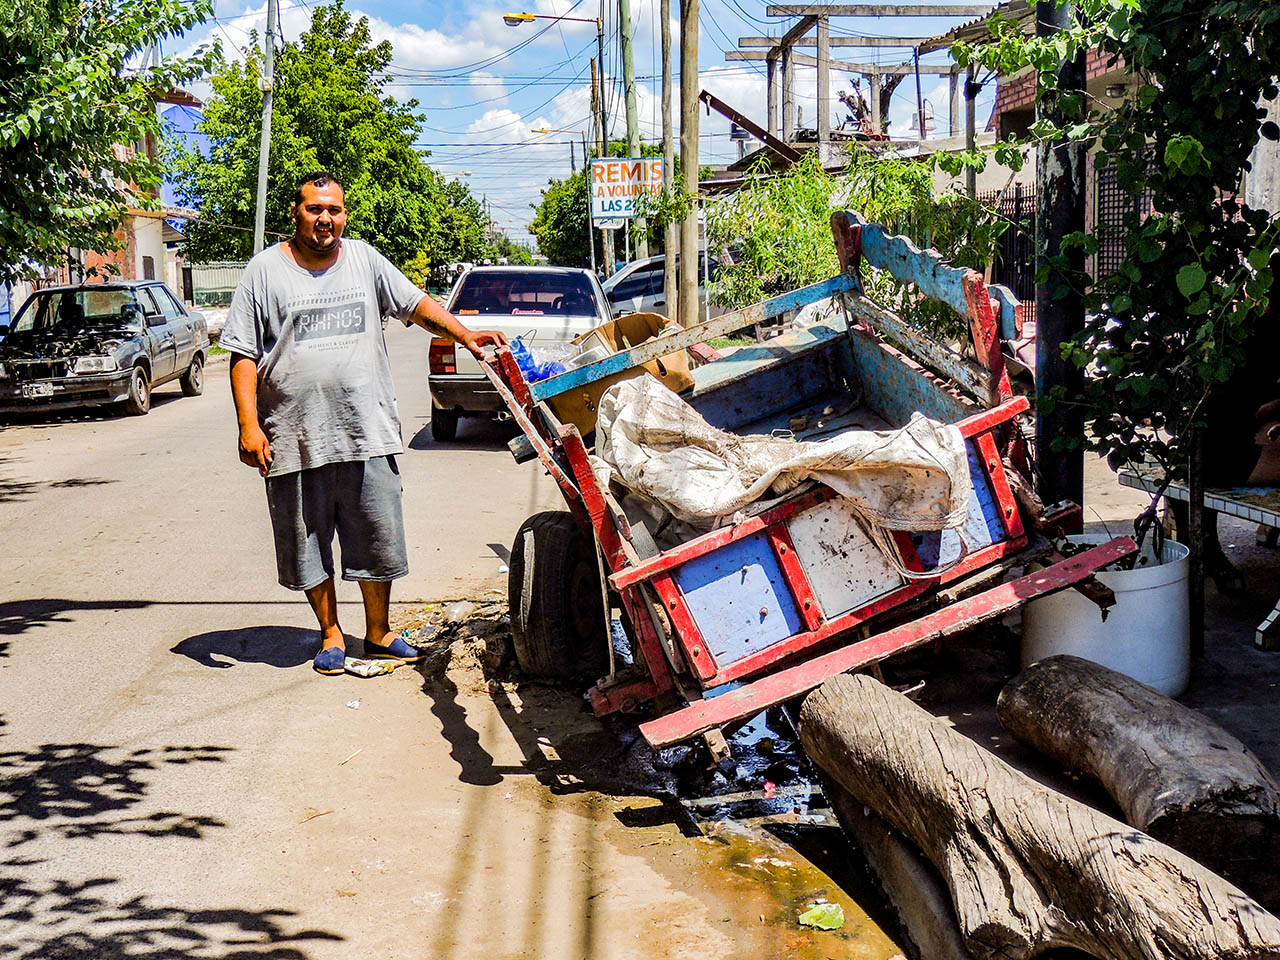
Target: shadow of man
(277, 646)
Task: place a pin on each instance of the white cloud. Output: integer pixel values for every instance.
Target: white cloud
(487, 86)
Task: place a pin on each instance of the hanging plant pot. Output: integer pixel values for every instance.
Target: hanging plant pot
(1146, 635)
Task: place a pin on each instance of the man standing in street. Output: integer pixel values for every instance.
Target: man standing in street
(317, 413)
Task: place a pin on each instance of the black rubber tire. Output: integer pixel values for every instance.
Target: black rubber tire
(553, 587)
(444, 425)
(193, 380)
(139, 400)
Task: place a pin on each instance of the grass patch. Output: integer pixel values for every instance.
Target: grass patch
(216, 350)
(718, 342)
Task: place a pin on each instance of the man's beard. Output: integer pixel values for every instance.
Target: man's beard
(318, 244)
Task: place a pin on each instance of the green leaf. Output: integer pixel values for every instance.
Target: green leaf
(1260, 258)
(823, 916)
(1191, 279)
(1122, 303)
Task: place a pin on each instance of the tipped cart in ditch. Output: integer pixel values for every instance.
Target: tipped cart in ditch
(723, 622)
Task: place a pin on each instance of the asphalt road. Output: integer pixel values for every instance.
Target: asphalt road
(175, 781)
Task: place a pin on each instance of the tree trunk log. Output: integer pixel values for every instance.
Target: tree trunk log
(1028, 868)
(915, 892)
(1174, 773)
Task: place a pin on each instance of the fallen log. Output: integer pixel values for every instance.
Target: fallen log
(1174, 773)
(911, 886)
(1028, 869)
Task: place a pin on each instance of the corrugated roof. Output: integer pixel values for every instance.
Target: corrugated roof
(976, 29)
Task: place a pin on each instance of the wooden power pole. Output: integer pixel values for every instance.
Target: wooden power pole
(629, 96)
(597, 108)
(671, 235)
(689, 313)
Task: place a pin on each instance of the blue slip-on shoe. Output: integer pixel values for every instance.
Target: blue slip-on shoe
(397, 649)
(330, 661)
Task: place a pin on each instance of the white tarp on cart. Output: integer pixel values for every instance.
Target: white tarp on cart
(914, 478)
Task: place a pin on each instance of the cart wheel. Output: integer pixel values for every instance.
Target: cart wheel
(553, 587)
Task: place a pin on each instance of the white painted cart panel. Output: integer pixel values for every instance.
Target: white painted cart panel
(846, 570)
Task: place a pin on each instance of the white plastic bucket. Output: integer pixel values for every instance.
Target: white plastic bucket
(1147, 634)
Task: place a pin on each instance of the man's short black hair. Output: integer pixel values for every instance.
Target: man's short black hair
(320, 178)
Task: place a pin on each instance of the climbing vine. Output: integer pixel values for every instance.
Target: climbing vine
(1173, 324)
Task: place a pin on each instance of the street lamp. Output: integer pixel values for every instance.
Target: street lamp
(515, 20)
(581, 133)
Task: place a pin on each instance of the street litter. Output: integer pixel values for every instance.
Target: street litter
(823, 916)
(312, 814)
(352, 757)
(369, 668)
(353, 704)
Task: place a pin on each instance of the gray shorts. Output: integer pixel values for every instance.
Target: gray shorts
(360, 499)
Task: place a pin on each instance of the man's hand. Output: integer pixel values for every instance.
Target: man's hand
(477, 340)
(255, 450)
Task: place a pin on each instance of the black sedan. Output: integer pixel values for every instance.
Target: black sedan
(100, 343)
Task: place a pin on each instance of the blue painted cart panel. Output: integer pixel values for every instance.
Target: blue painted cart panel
(739, 599)
(895, 391)
(983, 528)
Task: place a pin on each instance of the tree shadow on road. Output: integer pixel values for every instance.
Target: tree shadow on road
(277, 646)
(19, 616)
(64, 919)
(77, 790)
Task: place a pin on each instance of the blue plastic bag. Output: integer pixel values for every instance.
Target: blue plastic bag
(533, 369)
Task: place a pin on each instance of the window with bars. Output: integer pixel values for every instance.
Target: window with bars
(1113, 206)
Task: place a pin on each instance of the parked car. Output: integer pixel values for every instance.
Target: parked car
(101, 343)
(537, 304)
(638, 286)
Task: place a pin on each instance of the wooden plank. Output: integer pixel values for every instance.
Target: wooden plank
(879, 10)
(749, 42)
(661, 346)
(535, 438)
(882, 70)
(956, 618)
(794, 574)
(716, 539)
(969, 375)
(895, 386)
(927, 269)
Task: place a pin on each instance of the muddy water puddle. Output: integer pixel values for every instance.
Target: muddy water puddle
(761, 846)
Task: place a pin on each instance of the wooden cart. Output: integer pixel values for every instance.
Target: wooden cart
(749, 615)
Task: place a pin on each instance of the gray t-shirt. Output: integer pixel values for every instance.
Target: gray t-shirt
(325, 393)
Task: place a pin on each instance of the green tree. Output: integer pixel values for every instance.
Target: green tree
(331, 112)
(560, 223)
(1174, 326)
(71, 97)
(560, 220)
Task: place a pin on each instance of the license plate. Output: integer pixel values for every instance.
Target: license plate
(33, 391)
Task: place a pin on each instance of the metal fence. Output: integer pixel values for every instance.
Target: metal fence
(212, 284)
(1015, 263)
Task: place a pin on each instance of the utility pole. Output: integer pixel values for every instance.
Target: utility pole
(267, 86)
(688, 312)
(1060, 171)
(597, 108)
(671, 235)
(629, 90)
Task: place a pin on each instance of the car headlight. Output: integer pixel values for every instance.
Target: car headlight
(96, 364)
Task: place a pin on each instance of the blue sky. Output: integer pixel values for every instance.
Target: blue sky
(484, 87)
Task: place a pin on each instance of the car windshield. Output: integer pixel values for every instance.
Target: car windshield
(61, 311)
(513, 292)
